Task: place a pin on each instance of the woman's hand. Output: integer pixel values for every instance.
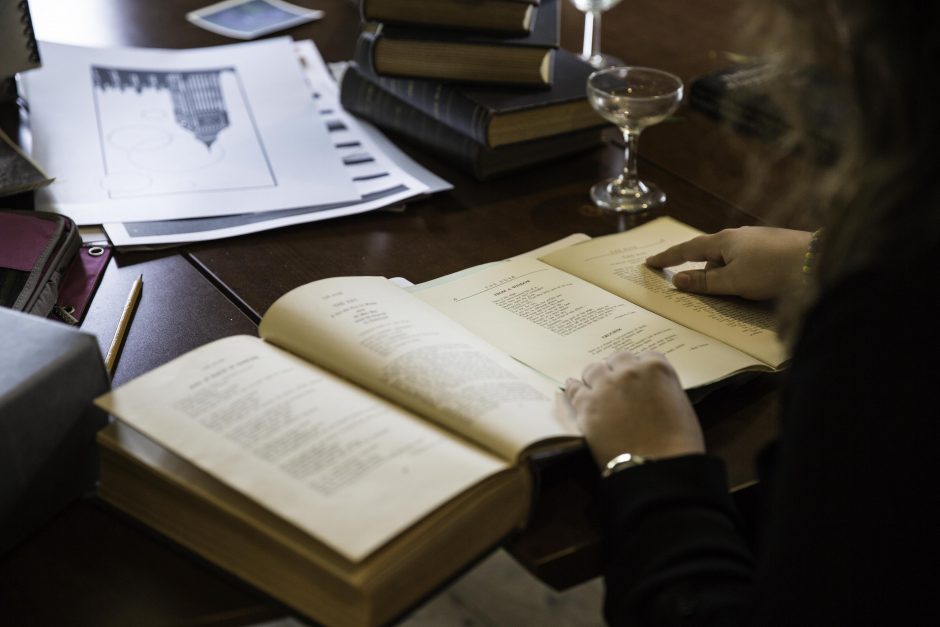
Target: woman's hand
(754, 262)
(634, 404)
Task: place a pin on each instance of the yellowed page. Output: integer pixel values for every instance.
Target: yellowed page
(616, 263)
(378, 335)
(557, 323)
(342, 464)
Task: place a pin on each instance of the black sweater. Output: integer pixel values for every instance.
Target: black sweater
(850, 530)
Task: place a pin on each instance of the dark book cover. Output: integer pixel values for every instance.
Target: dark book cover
(544, 33)
(499, 17)
(471, 109)
(365, 99)
(444, 54)
(741, 97)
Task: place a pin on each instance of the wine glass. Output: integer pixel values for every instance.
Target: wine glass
(591, 48)
(633, 98)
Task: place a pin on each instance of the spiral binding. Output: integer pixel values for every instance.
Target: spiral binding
(28, 34)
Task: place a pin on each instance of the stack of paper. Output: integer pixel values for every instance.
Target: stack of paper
(171, 146)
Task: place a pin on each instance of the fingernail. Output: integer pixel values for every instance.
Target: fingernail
(682, 280)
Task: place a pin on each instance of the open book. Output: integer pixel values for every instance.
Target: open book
(562, 307)
(370, 444)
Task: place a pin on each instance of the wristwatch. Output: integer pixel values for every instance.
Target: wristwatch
(622, 462)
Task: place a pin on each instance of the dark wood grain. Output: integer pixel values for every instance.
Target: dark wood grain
(179, 310)
(471, 225)
(92, 566)
(163, 24)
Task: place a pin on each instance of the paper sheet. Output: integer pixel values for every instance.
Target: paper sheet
(381, 173)
(334, 460)
(143, 134)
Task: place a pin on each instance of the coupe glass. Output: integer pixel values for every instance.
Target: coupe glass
(633, 98)
(591, 48)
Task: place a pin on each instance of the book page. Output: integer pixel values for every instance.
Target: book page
(381, 337)
(557, 323)
(342, 464)
(617, 264)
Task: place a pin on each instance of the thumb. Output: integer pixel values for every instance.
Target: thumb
(707, 281)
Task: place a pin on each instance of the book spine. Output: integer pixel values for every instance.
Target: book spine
(365, 99)
(440, 101)
(491, 17)
(748, 111)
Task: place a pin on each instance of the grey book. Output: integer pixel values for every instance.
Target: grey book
(49, 374)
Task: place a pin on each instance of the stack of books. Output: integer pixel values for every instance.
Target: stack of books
(481, 83)
(741, 96)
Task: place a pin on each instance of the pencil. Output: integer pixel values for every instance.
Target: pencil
(118, 340)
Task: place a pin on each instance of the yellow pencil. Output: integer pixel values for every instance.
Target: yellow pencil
(118, 340)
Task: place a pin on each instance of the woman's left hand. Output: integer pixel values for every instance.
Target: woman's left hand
(634, 404)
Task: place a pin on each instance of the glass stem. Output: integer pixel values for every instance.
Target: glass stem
(591, 48)
(596, 38)
(630, 179)
(587, 42)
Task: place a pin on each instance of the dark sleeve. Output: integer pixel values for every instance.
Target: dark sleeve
(852, 531)
(852, 534)
(676, 556)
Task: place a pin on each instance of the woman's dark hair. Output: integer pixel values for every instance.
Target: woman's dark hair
(879, 195)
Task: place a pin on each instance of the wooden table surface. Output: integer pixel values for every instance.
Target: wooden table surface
(210, 290)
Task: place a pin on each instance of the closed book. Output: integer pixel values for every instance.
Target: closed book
(49, 375)
(367, 100)
(741, 96)
(489, 16)
(496, 116)
(396, 50)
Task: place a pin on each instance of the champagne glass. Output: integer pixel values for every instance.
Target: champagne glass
(591, 48)
(633, 98)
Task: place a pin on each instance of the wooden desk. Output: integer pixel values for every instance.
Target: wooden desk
(91, 566)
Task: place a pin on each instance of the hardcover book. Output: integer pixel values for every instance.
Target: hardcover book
(493, 16)
(366, 99)
(373, 441)
(49, 376)
(496, 116)
(396, 50)
(741, 96)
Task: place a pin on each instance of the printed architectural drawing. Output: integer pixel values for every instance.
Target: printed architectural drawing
(176, 131)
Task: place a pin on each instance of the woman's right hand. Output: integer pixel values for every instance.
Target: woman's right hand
(754, 262)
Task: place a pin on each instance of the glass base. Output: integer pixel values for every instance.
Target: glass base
(609, 195)
(601, 61)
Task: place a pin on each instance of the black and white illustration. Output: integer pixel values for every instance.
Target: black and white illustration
(140, 134)
(169, 132)
(382, 175)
